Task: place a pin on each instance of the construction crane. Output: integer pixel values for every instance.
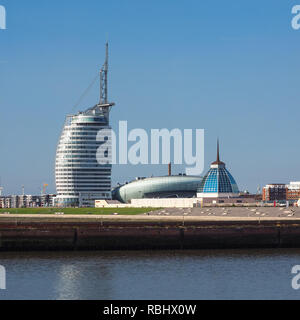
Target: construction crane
(1, 188)
(45, 185)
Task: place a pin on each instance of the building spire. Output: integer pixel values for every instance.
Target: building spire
(218, 161)
(218, 151)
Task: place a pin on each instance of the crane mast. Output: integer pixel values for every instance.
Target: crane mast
(103, 80)
(104, 105)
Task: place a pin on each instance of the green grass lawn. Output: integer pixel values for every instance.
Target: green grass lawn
(99, 211)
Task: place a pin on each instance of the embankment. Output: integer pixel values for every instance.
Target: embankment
(49, 232)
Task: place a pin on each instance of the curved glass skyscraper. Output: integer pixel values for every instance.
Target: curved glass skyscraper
(80, 179)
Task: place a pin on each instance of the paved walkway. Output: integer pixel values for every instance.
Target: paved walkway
(233, 212)
(171, 214)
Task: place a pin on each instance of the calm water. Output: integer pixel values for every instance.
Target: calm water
(232, 274)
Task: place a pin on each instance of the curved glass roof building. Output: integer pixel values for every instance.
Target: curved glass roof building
(80, 179)
(158, 187)
(218, 182)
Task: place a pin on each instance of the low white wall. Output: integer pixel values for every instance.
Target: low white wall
(104, 204)
(164, 203)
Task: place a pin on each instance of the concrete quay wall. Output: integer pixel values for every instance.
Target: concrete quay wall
(144, 232)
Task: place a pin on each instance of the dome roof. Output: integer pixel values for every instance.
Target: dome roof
(218, 179)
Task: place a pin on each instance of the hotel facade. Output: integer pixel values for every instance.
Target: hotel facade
(80, 178)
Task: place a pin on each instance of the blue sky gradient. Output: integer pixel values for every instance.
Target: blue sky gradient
(229, 67)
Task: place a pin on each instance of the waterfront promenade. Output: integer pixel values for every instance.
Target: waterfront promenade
(231, 212)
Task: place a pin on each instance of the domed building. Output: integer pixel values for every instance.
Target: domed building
(218, 182)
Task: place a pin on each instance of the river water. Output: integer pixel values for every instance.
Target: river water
(203, 274)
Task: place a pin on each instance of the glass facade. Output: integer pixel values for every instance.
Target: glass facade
(80, 179)
(218, 180)
(158, 187)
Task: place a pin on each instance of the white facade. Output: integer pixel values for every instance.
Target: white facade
(82, 176)
(278, 186)
(80, 179)
(294, 185)
(217, 195)
(150, 203)
(111, 204)
(165, 203)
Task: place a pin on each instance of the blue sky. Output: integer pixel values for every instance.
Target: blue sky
(229, 67)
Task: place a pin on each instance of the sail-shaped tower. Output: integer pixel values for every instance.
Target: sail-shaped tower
(80, 178)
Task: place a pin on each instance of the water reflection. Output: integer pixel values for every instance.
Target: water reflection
(84, 280)
(206, 274)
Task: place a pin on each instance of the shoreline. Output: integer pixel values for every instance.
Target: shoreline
(73, 232)
(137, 218)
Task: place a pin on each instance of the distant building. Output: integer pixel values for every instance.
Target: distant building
(22, 201)
(274, 192)
(14, 201)
(293, 191)
(2, 202)
(27, 201)
(33, 201)
(47, 200)
(282, 192)
(7, 202)
(218, 182)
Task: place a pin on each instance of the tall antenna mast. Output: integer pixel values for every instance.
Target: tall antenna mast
(103, 106)
(103, 79)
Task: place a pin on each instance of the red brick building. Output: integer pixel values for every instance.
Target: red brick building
(280, 191)
(274, 192)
